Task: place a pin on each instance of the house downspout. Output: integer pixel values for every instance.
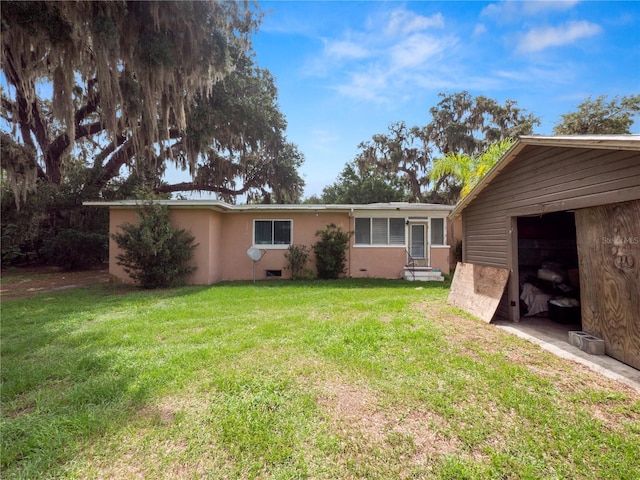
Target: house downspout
(352, 239)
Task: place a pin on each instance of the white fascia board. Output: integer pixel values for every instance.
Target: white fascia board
(222, 206)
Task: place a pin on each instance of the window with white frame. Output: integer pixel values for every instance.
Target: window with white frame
(437, 231)
(380, 231)
(272, 232)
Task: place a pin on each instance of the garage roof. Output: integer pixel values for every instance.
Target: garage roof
(605, 142)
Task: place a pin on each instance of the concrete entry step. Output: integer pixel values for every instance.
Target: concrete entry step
(422, 275)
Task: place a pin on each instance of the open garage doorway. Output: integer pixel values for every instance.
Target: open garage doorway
(548, 275)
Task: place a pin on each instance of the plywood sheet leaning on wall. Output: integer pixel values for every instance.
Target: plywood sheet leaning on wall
(477, 289)
(608, 239)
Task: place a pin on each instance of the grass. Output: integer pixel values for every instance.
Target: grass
(287, 380)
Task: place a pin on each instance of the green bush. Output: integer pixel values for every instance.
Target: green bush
(297, 257)
(10, 251)
(74, 249)
(156, 254)
(331, 251)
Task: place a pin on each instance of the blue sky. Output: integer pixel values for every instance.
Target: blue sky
(346, 70)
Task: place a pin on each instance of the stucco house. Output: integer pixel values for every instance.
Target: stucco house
(390, 240)
(562, 215)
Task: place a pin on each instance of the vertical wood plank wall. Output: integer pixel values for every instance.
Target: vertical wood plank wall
(543, 179)
(608, 240)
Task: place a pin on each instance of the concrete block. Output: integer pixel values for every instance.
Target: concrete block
(587, 342)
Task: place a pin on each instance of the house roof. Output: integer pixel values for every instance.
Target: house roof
(604, 142)
(226, 207)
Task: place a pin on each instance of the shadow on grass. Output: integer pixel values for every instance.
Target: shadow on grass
(348, 283)
(63, 380)
(70, 374)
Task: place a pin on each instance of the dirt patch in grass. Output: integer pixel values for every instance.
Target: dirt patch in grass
(412, 434)
(29, 281)
(159, 440)
(477, 339)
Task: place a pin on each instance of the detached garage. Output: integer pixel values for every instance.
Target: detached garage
(562, 216)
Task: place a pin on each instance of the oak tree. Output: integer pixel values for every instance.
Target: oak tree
(101, 98)
(460, 124)
(134, 85)
(600, 116)
(355, 186)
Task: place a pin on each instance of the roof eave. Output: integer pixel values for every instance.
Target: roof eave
(621, 142)
(225, 207)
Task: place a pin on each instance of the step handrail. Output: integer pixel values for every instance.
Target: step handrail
(411, 264)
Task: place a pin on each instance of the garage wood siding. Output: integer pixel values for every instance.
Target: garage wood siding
(538, 177)
(537, 180)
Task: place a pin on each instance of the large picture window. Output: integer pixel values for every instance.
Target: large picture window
(380, 231)
(272, 232)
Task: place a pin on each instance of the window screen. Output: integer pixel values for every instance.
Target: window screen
(363, 231)
(396, 231)
(380, 231)
(264, 232)
(272, 232)
(282, 232)
(437, 231)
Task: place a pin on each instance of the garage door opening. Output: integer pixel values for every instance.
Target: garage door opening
(548, 275)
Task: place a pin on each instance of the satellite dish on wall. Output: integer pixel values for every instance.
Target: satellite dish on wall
(255, 254)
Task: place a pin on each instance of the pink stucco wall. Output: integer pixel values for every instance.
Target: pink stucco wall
(377, 262)
(237, 237)
(204, 225)
(440, 258)
(116, 218)
(223, 240)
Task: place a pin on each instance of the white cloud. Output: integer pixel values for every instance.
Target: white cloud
(539, 39)
(403, 22)
(479, 29)
(547, 75)
(377, 61)
(399, 67)
(513, 10)
(415, 51)
(368, 66)
(540, 6)
(370, 85)
(345, 49)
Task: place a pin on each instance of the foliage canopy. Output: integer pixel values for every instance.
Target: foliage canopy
(139, 84)
(460, 124)
(468, 170)
(363, 186)
(103, 97)
(600, 116)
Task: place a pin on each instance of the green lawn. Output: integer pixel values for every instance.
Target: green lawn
(320, 380)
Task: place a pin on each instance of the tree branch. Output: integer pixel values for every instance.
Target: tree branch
(87, 130)
(117, 160)
(194, 186)
(7, 104)
(90, 107)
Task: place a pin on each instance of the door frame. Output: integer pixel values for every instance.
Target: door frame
(424, 223)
